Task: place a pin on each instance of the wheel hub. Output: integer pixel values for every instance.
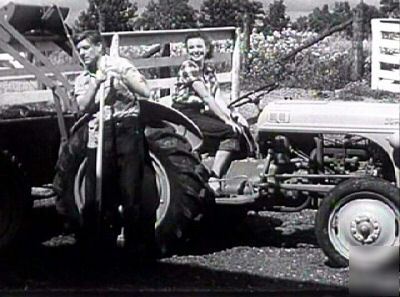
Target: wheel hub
(368, 220)
(365, 229)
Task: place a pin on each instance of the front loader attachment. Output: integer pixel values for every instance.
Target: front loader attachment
(21, 27)
(25, 18)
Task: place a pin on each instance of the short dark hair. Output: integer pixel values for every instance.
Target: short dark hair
(207, 41)
(93, 36)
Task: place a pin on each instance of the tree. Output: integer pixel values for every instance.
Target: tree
(301, 24)
(277, 19)
(107, 15)
(390, 8)
(369, 12)
(341, 12)
(219, 13)
(320, 19)
(167, 14)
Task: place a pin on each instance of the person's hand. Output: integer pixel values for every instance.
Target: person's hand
(235, 127)
(100, 76)
(240, 119)
(105, 70)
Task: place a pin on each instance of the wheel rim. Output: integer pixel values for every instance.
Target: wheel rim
(367, 219)
(162, 182)
(79, 187)
(163, 189)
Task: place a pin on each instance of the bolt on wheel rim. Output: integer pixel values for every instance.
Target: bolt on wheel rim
(371, 220)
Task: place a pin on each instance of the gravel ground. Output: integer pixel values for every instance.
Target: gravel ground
(268, 252)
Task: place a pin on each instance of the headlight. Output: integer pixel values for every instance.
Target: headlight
(394, 140)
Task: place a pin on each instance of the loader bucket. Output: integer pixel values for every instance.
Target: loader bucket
(25, 18)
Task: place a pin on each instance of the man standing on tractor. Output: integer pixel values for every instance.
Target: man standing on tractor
(125, 150)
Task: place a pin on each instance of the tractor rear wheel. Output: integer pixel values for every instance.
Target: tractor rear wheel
(15, 202)
(181, 185)
(181, 188)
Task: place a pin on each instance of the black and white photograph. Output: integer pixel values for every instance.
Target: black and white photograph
(199, 148)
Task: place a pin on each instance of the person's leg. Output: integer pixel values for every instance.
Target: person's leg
(139, 218)
(221, 162)
(216, 131)
(111, 198)
(219, 138)
(71, 156)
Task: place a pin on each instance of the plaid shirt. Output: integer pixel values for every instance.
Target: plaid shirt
(190, 72)
(117, 94)
(120, 102)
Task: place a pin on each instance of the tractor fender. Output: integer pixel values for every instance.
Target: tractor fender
(152, 111)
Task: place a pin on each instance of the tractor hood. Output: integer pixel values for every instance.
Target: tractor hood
(331, 117)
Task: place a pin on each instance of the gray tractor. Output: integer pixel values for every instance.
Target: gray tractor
(342, 158)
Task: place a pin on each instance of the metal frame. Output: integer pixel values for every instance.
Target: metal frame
(10, 39)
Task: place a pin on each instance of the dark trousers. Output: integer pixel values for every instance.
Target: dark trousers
(217, 134)
(124, 158)
(71, 155)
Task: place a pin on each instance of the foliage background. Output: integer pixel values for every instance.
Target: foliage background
(325, 66)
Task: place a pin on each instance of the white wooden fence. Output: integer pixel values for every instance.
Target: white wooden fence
(148, 38)
(162, 37)
(385, 74)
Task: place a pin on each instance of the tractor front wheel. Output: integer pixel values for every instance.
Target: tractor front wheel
(358, 215)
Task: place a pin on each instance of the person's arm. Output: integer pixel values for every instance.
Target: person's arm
(85, 95)
(222, 103)
(136, 83)
(124, 70)
(220, 110)
(201, 90)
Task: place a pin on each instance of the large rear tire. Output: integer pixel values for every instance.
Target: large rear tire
(15, 202)
(182, 188)
(358, 213)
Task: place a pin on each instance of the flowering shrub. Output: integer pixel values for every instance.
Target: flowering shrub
(325, 65)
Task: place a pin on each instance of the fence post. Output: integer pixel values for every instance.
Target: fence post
(246, 33)
(235, 75)
(375, 51)
(165, 71)
(358, 37)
